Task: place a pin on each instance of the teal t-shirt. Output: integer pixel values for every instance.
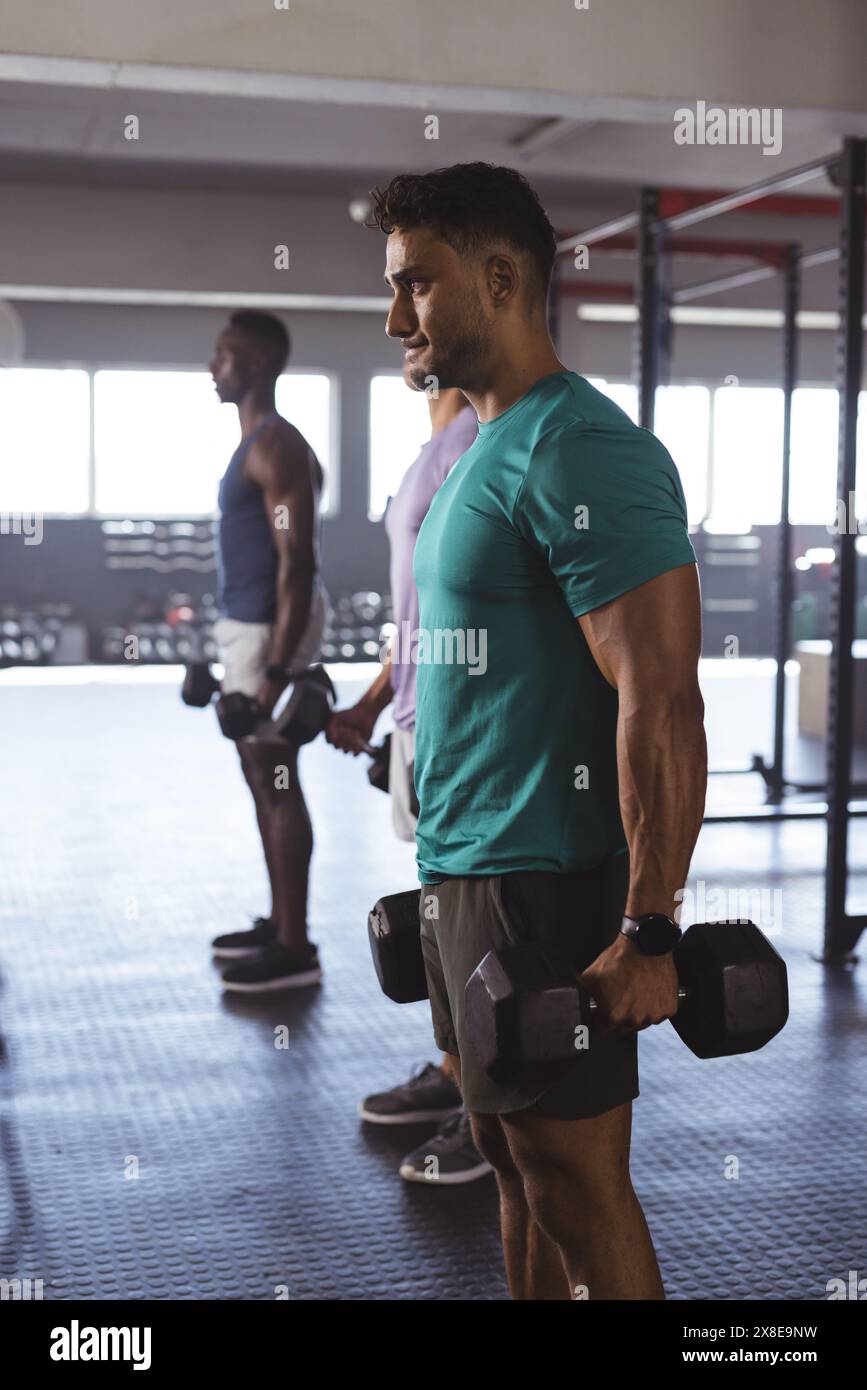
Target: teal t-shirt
(560, 506)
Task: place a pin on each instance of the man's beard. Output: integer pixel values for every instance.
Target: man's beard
(458, 363)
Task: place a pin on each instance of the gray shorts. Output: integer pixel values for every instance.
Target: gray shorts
(579, 914)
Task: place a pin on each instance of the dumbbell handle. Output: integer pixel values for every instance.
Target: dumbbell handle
(591, 1002)
(292, 677)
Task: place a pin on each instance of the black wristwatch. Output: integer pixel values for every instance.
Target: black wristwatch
(653, 933)
(275, 674)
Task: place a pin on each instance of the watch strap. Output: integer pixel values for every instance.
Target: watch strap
(629, 926)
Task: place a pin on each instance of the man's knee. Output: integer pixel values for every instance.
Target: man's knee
(268, 767)
(572, 1170)
(492, 1144)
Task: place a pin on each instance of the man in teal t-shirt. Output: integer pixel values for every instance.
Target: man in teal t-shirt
(560, 760)
(559, 506)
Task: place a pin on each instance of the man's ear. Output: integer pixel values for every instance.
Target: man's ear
(501, 274)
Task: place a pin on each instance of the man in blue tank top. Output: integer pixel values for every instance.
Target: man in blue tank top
(272, 613)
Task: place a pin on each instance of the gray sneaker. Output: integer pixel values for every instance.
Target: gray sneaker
(428, 1095)
(448, 1157)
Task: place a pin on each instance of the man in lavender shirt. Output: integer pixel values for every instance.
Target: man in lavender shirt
(429, 1094)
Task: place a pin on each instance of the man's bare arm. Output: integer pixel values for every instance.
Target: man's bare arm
(647, 644)
(279, 463)
(380, 693)
(351, 729)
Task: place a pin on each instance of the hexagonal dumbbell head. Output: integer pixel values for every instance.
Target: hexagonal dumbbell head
(522, 1006)
(308, 709)
(737, 995)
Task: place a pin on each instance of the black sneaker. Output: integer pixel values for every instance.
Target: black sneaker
(428, 1095)
(237, 945)
(274, 967)
(448, 1157)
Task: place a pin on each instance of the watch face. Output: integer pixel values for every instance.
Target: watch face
(657, 934)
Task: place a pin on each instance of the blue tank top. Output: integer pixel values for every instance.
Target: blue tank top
(246, 554)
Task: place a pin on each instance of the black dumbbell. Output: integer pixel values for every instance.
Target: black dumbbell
(380, 759)
(200, 685)
(238, 714)
(394, 934)
(378, 772)
(310, 707)
(524, 1006)
(305, 715)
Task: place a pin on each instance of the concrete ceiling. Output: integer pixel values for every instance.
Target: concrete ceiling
(75, 133)
(66, 133)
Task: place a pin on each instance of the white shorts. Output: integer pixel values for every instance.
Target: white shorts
(244, 648)
(400, 784)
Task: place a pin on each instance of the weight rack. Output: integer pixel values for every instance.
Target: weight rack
(659, 216)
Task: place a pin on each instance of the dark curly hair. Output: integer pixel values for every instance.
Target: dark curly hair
(469, 206)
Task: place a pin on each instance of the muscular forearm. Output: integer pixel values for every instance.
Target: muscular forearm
(662, 768)
(294, 599)
(380, 693)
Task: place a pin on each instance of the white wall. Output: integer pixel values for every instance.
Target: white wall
(167, 239)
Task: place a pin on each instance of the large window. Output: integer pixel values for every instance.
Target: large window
(747, 456)
(44, 440)
(813, 458)
(161, 442)
(399, 426)
(682, 422)
(305, 399)
(162, 439)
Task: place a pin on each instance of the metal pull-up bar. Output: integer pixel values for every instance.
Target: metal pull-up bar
(730, 202)
(690, 217)
(750, 277)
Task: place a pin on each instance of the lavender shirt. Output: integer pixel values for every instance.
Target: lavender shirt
(406, 512)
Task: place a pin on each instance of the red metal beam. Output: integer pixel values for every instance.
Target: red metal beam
(687, 207)
(738, 249)
(675, 200)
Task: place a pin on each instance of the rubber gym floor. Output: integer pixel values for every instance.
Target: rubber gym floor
(157, 1144)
